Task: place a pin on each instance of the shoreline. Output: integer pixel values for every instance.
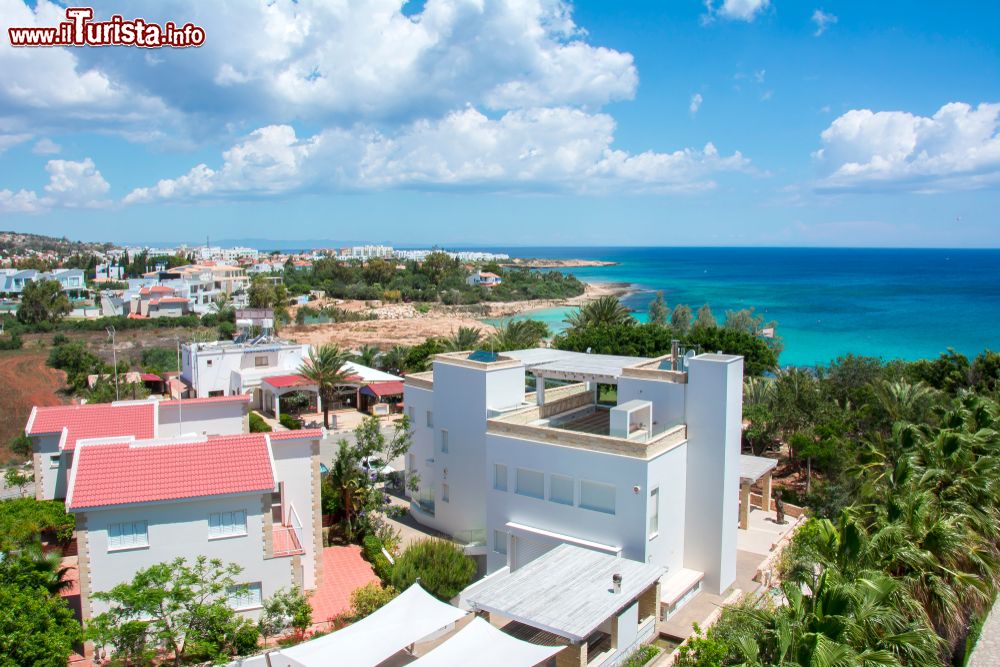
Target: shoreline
(404, 324)
(541, 263)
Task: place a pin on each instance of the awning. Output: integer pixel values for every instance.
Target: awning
(408, 618)
(752, 468)
(380, 389)
(490, 646)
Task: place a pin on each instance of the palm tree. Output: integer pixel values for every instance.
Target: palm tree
(607, 310)
(904, 401)
(345, 478)
(516, 335)
(466, 338)
(367, 355)
(394, 360)
(325, 367)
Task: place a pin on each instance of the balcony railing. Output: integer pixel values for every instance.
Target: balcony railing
(288, 539)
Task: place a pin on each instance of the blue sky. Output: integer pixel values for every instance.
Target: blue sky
(529, 122)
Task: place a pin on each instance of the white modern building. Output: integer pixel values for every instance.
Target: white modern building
(200, 284)
(55, 431)
(483, 279)
(653, 477)
(249, 499)
(221, 368)
(72, 281)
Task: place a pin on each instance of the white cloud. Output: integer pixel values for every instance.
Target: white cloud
(956, 148)
(735, 10)
(695, 104)
(822, 20)
(11, 140)
(71, 185)
(46, 146)
(544, 149)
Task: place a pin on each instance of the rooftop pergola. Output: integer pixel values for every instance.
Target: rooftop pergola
(570, 593)
(594, 369)
(754, 469)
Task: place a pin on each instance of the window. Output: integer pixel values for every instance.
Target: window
(561, 489)
(499, 477)
(530, 483)
(128, 535)
(500, 542)
(54, 460)
(598, 497)
(444, 441)
(208, 363)
(654, 512)
(260, 361)
(430, 419)
(244, 597)
(227, 524)
(444, 492)
(217, 392)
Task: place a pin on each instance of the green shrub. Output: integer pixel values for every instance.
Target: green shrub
(369, 598)
(226, 330)
(290, 422)
(373, 554)
(258, 425)
(11, 342)
(442, 567)
(642, 656)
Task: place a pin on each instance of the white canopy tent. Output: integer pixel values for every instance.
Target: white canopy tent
(408, 618)
(486, 646)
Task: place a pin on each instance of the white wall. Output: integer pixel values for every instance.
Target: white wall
(668, 399)
(181, 529)
(50, 482)
(714, 420)
(228, 418)
(293, 463)
(210, 368)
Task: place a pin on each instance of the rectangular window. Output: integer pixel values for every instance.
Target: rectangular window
(445, 491)
(245, 597)
(430, 419)
(227, 524)
(54, 460)
(597, 496)
(654, 512)
(499, 477)
(500, 542)
(260, 361)
(217, 392)
(128, 535)
(444, 441)
(561, 489)
(530, 483)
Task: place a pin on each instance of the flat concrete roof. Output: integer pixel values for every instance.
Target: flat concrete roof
(569, 365)
(567, 591)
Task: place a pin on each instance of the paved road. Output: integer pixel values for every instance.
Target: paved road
(328, 446)
(987, 650)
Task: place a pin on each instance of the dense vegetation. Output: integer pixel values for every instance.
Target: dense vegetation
(900, 559)
(438, 278)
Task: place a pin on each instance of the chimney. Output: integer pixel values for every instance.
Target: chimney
(616, 582)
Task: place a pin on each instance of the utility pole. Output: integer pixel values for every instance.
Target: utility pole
(114, 359)
(180, 395)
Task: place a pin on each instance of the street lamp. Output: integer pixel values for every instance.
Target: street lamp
(114, 359)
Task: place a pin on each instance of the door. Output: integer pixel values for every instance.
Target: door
(526, 550)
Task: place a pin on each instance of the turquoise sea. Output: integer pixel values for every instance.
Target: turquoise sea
(891, 303)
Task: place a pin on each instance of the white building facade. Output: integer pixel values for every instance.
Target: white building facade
(515, 473)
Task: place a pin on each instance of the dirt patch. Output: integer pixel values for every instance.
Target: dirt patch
(25, 381)
(381, 333)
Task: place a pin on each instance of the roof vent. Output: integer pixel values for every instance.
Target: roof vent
(616, 582)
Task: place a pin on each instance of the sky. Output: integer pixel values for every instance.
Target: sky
(520, 122)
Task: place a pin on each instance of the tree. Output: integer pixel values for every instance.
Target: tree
(394, 360)
(680, 319)
(346, 479)
(15, 478)
(442, 567)
(658, 310)
(24, 520)
(516, 335)
(43, 301)
(367, 355)
(185, 608)
(705, 318)
(325, 367)
(466, 338)
(36, 627)
(287, 608)
(21, 445)
(607, 310)
(369, 598)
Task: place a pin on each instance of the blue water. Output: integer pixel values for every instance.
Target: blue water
(906, 304)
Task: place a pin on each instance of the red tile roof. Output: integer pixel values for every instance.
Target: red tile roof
(283, 381)
(128, 472)
(301, 434)
(389, 388)
(237, 398)
(93, 421)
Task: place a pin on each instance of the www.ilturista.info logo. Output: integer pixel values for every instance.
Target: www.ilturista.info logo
(80, 30)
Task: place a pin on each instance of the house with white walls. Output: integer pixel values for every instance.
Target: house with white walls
(55, 431)
(484, 279)
(251, 499)
(651, 476)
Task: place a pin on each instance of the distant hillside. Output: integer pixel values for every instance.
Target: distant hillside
(12, 242)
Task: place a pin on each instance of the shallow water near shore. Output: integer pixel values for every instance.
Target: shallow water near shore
(892, 303)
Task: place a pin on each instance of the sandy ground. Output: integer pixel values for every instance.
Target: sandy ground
(402, 324)
(25, 381)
